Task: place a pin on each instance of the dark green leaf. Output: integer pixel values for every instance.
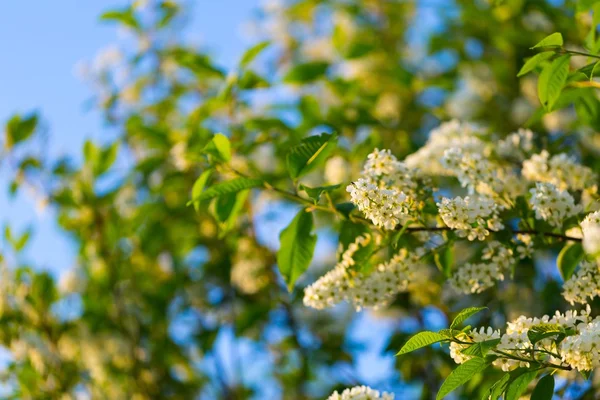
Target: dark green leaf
(518, 385)
(304, 73)
(309, 153)
(20, 128)
(315, 193)
(462, 374)
(444, 259)
(544, 390)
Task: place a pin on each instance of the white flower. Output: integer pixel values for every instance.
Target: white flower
(561, 170)
(385, 193)
(590, 227)
(453, 134)
(471, 217)
(582, 351)
(475, 278)
(516, 145)
(475, 336)
(361, 393)
(372, 290)
(583, 284)
(551, 204)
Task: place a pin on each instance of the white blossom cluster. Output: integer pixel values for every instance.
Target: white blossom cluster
(472, 170)
(515, 341)
(385, 192)
(477, 277)
(472, 217)
(361, 393)
(453, 134)
(475, 336)
(552, 204)
(582, 351)
(524, 246)
(516, 145)
(372, 290)
(561, 170)
(584, 284)
(590, 227)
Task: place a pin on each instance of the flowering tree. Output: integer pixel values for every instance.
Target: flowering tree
(348, 121)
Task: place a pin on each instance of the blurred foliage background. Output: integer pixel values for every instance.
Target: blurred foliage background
(179, 302)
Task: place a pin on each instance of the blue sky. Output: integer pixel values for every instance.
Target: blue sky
(41, 43)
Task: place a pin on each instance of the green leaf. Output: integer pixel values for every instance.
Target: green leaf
(534, 62)
(462, 374)
(518, 385)
(481, 349)
(420, 340)
(252, 53)
(199, 187)
(230, 221)
(297, 245)
(444, 259)
(569, 257)
(309, 153)
(219, 147)
(497, 388)
(19, 129)
(544, 390)
(464, 315)
(232, 186)
(552, 80)
(543, 331)
(554, 39)
(315, 193)
(304, 73)
(106, 158)
(345, 208)
(124, 16)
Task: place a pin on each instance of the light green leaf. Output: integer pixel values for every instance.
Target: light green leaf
(568, 259)
(219, 147)
(199, 187)
(297, 245)
(231, 219)
(309, 153)
(461, 375)
(552, 80)
(304, 73)
(534, 62)
(252, 53)
(124, 16)
(544, 390)
(518, 385)
(232, 186)
(464, 315)
(420, 340)
(554, 39)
